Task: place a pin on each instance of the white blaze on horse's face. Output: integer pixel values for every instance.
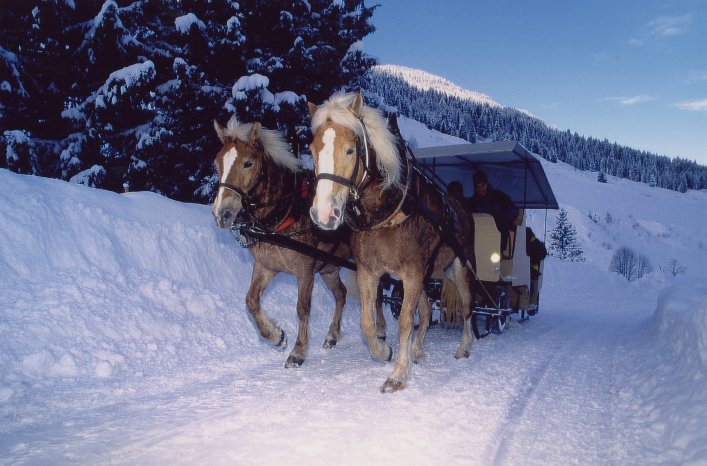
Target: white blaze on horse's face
(322, 199)
(331, 157)
(227, 203)
(228, 159)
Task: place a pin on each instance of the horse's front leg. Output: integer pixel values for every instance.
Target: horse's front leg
(425, 311)
(462, 277)
(397, 380)
(368, 290)
(337, 288)
(259, 280)
(305, 283)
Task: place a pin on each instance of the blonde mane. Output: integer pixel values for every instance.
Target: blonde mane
(274, 143)
(381, 140)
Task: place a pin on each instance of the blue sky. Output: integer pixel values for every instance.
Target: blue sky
(630, 71)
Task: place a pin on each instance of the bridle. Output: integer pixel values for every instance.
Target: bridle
(354, 188)
(274, 219)
(247, 204)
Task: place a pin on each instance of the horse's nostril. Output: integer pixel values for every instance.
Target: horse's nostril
(336, 212)
(226, 214)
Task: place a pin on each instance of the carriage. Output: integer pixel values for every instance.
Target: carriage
(508, 281)
(386, 197)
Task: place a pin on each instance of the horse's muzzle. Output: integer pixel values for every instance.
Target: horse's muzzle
(227, 218)
(329, 221)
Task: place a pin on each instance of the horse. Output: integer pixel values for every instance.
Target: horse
(401, 223)
(262, 183)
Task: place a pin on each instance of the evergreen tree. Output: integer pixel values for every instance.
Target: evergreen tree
(563, 240)
(123, 93)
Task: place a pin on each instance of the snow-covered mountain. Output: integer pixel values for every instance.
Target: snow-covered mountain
(425, 81)
(124, 339)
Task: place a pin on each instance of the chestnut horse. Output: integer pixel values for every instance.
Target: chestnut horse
(402, 224)
(261, 183)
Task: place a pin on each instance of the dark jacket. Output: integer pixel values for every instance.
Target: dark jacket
(498, 204)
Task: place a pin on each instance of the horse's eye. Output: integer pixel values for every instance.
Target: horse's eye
(247, 164)
(350, 151)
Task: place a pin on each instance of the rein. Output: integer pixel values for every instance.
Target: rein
(276, 219)
(255, 234)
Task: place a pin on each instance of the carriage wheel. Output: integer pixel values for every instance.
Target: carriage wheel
(474, 324)
(501, 318)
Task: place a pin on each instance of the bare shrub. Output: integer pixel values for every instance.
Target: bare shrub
(630, 264)
(674, 268)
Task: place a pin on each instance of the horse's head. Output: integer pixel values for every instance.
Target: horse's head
(243, 166)
(348, 137)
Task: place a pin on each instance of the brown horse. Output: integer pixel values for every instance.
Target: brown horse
(261, 183)
(402, 224)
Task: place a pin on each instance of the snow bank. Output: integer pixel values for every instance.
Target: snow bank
(66, 253)
(681, 318)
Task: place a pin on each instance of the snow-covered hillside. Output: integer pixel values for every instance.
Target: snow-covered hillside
(124, 339)
(425, 81)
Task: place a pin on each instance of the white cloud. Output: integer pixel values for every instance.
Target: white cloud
(698, 76)
(635, 100)
(694, 105)
(663, 26)
(639, 99)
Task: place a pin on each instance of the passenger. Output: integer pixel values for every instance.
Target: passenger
(455, 190)
(537, 253)
(488, 200)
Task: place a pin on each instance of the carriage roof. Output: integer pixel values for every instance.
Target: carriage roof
(510, 167)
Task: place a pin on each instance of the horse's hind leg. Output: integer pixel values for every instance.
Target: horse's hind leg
(305, 282)
(333, 282)
(260, 279)
(425, 313)
(367, 289)
(461, 277)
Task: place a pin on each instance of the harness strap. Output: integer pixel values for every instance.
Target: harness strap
(304, 248)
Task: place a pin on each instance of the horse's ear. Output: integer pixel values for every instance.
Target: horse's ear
(220, 131)
(356, 106)
(312, 109)
(255, 131)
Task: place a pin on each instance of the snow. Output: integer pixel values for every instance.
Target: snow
(121, 81)
(124, 339)
(250, 83)
(425, 81)
(183, 23)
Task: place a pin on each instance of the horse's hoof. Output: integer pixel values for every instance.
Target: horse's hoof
(294, 361)
(329, 343)
(283, 340)
(391, 386)
(463, 354)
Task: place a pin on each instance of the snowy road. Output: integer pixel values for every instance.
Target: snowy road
(545, 391)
